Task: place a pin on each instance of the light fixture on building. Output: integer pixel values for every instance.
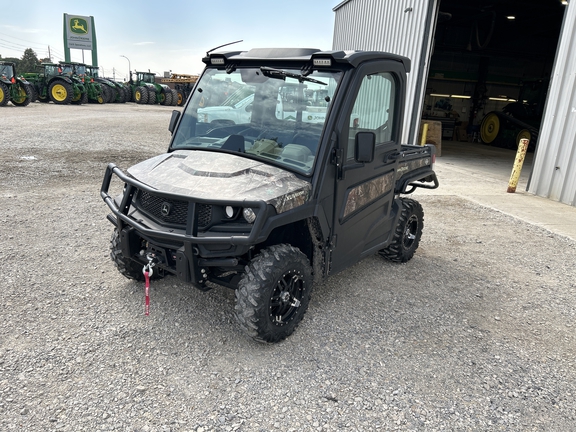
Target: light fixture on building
(501, 99)
(455, 96)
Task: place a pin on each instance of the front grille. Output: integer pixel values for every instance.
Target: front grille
(178, 210)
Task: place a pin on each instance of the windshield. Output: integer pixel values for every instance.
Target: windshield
(276, 116)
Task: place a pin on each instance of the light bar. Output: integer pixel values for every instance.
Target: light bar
(322, 62)
(217, 60)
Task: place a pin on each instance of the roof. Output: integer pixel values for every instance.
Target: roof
(353, 58)
(338, 6)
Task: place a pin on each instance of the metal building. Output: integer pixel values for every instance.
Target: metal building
(409, 28)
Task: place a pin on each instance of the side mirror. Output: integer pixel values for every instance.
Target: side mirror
(173, 121)
(364, 147)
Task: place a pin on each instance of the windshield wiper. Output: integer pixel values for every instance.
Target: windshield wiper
(280, 74)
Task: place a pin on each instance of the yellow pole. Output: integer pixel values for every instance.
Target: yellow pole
(424, 134)
(520, 156)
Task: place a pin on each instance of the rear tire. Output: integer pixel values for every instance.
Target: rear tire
(174, 97)
(181, 98)
(33, 92)
(274, 293)
(167, 98)
(128, 96)
(60, 92)
(490, 128)
(151, 97)
(407, 234)
(108, 93)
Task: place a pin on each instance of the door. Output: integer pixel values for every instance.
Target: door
(364, 191)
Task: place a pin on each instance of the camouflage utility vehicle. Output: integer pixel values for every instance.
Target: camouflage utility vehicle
(309, 182)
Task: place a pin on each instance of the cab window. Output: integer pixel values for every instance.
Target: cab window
(373, 109)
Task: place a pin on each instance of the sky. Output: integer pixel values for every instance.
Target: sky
(170, 38)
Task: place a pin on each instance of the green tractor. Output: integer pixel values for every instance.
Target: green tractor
(145, 90)
(114, 91)
(94, 91)
(517, 120)
(51, 84)
(14, 88)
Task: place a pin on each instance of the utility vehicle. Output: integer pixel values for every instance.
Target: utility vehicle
(309, 184)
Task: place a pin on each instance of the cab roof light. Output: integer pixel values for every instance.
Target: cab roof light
(322, 62)
(217, 60)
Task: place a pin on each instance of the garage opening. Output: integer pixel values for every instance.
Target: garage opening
(490, 70)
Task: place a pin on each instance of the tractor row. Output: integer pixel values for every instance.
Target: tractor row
(77, 83)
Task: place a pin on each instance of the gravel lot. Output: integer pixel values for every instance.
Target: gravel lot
(475, 333)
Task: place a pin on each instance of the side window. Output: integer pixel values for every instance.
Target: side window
(373, 110)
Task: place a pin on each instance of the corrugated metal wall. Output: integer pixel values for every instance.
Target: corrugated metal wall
(554, 170)
(398, 26)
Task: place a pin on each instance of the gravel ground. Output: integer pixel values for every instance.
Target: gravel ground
(475, 333)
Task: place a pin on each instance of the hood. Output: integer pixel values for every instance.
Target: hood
(222, 176)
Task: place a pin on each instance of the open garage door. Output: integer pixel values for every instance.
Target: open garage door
(491, 68)
(481, 67)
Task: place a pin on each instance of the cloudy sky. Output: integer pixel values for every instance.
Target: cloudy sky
(170, 38)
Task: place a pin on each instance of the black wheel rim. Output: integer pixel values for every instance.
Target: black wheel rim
(410, 232)
(286, 297)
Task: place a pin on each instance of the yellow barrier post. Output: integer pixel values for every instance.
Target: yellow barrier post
(520, 156)
(424, 134)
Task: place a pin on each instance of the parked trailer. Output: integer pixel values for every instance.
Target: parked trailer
(183, 86)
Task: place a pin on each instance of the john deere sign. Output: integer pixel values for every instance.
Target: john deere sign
(79, 33)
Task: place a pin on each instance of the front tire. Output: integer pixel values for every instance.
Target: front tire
(125, 266)
(141, 95)
(407, 234)
(4, 94)
(274, 293)
(24, 95)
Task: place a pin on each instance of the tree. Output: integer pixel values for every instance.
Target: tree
(28, 62)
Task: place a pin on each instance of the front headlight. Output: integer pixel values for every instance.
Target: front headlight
(249, 215)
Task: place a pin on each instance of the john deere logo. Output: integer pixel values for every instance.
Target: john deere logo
(78, 26)
(165, 209)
